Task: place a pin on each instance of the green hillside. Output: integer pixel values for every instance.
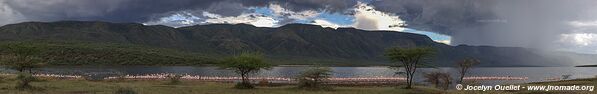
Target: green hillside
(288, 44)
(87, 53)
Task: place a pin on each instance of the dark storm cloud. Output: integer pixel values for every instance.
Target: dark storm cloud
(144, 10)
(110, 10)
(521, 23)
(441, 16)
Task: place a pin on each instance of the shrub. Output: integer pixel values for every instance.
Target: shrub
(21, 57)
(92, 77)
(123, 90)
(314, 78)
(244, 85)
(23, 80)
(566, 77)
(174, 79)
(439, 79)
(263, 82)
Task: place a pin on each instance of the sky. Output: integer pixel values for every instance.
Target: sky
(559, 25)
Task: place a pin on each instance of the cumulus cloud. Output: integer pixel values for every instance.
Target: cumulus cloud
(258, 20)
(325, 23)
(283, 12)
(580, 39)
(579, 42)
(176, 20)
(443, 41)
(249, 15)
(366, 17)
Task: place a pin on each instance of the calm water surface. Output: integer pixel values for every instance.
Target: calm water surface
(535, 74)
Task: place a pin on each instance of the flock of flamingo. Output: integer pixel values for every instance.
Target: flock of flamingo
(164, 76)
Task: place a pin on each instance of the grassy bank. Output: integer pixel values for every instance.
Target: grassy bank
(80, 86)
(578, 82)
(188, 87)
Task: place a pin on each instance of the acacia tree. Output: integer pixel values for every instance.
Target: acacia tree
(314, 78)
(464, 66)
(409, 59)
(21, 58)
(245, 64)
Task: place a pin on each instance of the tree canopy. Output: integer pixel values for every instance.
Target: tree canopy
(244, 64)
(22, 57)
(409, 59)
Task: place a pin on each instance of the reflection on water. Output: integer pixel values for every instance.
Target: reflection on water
(534, 74)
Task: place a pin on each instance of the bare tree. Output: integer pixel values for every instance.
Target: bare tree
(438, 79)
(464, 66)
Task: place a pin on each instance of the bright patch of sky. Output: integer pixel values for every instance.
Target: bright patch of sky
(255, 19)
(176, 20)
(364, 17)
(339, 19)
(583, 38)
(434, 36)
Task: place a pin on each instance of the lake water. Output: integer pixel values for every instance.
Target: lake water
(534, 74)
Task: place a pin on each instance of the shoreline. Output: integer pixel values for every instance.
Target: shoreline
(213, 65)
(278, 80)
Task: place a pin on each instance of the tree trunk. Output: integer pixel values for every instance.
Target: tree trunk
(461, 79)
(462, 73)
(243, 78)
(409, 80)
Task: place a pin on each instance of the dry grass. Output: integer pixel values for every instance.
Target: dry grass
(54, 86)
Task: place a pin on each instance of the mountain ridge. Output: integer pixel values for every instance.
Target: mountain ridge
(293, 43)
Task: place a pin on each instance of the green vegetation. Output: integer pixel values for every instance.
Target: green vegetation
(125, 90)
(188, 87)
(409, 59)
(245, 64)
(23, 80)
(314, 78)
(290, 44)
(587, 66)
(21, 57)
(86, 53)
(173, 79)
(78, 86)
(98, 53)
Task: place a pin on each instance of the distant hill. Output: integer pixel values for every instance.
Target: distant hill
(86, 53)
(289, 44)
